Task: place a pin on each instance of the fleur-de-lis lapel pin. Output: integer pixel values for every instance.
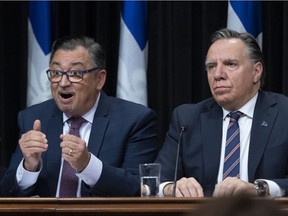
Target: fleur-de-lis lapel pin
(264, 124)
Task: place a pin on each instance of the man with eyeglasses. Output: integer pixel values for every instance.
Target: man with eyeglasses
(114, 137)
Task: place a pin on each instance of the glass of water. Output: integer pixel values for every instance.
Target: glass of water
(150, 179)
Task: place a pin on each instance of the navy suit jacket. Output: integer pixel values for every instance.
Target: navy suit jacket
(122, 136)
(201, 142)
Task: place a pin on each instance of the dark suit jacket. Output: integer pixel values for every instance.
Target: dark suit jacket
(201, 142)
(122, 136)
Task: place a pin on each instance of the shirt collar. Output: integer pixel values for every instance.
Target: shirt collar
(87, 116)
(247, 109)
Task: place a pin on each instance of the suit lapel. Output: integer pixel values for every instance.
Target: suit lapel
(99, 125)
(211, 127)
(97, 134)
(53, 159)
(263, 121)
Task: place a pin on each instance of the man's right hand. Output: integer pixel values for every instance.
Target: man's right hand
(185, 187)
(32, 144)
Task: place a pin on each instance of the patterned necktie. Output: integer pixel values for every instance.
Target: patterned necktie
(232, 149)
(69, 181)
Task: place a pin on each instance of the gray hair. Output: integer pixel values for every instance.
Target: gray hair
(253, 49)
(95, 50)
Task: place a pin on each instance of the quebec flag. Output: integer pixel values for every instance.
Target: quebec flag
(131, 83)
(246, 16)
(39, 49)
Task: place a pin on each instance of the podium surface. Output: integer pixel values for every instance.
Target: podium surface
(108, 206)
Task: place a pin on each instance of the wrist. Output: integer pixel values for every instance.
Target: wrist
(168, 190)
(31, 168)
(261, 187)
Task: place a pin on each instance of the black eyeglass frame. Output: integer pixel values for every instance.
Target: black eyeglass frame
(80, 72)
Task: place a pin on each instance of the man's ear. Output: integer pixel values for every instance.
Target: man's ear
(101, 78)
(257, 71)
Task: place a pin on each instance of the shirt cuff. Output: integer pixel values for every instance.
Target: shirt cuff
(161, 188)
(26, 178)
(274, 189)
(91, 174)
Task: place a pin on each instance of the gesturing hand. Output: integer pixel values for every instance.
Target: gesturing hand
(32, 144)
(74, 151)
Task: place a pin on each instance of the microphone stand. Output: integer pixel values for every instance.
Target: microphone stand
(177, 160)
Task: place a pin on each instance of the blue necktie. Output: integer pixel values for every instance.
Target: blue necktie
(69, 181)
(232, 149)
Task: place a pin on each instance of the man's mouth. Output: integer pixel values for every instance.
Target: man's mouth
(220, 89)
(66, 95)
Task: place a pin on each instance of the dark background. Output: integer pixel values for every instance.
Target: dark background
(178, 40)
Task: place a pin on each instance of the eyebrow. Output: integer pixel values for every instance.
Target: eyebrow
(224, 60)
(210, 62)
(230, 60)
(72, 64)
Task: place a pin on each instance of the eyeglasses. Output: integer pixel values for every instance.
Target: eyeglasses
(74, 76)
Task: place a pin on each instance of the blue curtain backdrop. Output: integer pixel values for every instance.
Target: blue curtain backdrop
(178, 40)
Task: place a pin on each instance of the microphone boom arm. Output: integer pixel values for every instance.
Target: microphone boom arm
(177, 160)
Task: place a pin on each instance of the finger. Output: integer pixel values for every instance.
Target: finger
(69, 144)
(33, 150)
(192, 188)
(73, 142)
(178, 193)
(70, 137)
(195, 190)
(225, 188)
(37, 125)
(220, 189)
(216, 191)
(183, 187)
(68, 151)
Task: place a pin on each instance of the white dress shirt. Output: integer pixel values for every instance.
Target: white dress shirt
(90, 175)
(245, 124)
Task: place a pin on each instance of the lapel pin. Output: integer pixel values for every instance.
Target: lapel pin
(264, 123)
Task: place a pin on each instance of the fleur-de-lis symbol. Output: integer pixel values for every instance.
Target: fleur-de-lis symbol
(264, 123)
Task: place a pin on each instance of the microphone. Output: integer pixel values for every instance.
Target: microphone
(177, 159)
